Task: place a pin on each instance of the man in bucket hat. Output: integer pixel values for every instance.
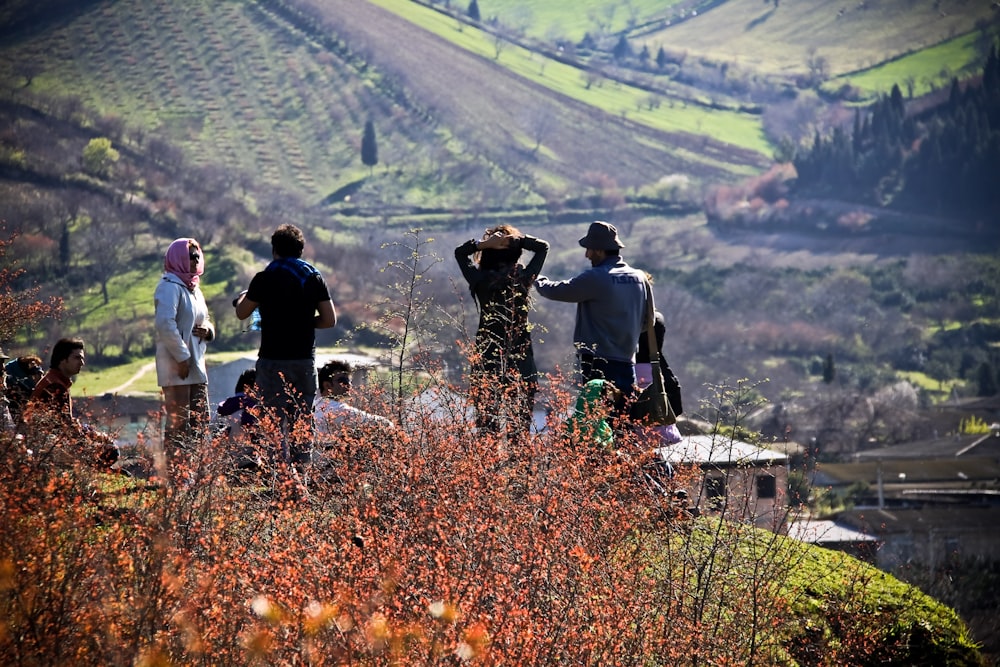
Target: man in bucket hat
(610, 311)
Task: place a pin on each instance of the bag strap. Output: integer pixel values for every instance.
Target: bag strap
(654, 352)
(654, 356)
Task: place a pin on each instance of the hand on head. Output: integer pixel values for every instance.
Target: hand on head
(495, 241)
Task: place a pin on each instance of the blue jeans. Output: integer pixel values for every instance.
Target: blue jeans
(287, 389)
(621, 373)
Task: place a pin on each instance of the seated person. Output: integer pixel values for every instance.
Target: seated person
(50, 408)
(23, 373)
(241, 421)
(240, 402)
(331, 412)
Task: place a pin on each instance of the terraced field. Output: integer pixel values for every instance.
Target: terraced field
(232, 83)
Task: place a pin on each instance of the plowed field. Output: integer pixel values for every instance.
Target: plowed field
(492, 109)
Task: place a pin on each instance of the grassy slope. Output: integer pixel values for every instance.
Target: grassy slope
(238, 87)
(742, 130)
(926, 70)
(231, 84)
(758, 36)
(571, 19)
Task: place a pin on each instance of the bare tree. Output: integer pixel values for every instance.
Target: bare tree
(499, 43)
(541, 121)
(819, 66)
(103, 242)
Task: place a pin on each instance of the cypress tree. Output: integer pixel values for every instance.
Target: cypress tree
(369, 146)
(474, 11)
(829, 372)
(987, 380)
(622, 49)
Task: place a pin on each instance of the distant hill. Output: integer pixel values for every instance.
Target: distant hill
(780, 37)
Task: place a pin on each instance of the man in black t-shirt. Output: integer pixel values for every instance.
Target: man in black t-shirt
(293, 301)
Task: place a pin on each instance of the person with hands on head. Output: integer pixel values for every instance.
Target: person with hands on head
(183, 329)
(503, 374)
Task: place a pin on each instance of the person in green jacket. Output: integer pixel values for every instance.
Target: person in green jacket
(589, 425)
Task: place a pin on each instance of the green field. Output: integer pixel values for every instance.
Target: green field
(925, 71)
(572, 19)
(780, 38)
(739, 129)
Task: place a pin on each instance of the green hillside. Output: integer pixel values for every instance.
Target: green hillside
(781, 37)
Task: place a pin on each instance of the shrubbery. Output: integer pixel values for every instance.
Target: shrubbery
(429, 545)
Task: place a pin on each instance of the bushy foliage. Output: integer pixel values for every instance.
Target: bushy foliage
(933, 162)
(19, 306)
(416, 546)
(427, 543)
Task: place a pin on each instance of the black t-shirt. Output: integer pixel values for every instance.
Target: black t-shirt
(288, 291)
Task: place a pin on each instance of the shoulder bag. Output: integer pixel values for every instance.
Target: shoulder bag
(652, 406)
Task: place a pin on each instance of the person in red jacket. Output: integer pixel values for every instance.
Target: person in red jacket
(50, 408)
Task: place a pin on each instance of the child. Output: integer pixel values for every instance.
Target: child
(242, 401)
(589, 422)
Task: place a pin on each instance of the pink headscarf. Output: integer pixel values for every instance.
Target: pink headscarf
(178, 262)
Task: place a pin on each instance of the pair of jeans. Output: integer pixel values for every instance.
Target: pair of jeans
(287, 389)
(621, 373)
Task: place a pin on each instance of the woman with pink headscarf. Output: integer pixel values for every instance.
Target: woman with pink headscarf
(182, 330)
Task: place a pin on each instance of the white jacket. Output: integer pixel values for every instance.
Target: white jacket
(178, 311)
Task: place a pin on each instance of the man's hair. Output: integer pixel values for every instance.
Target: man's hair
(331, 368)
(288, 241)
(62, 349)
(246, 380)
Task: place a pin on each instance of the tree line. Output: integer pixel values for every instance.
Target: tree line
(939, 162)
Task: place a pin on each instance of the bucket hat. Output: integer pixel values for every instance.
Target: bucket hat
(601, 236)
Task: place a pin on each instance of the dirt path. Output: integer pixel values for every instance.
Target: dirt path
(146, 368)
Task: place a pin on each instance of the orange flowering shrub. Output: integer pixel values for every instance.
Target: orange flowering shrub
(428, 544)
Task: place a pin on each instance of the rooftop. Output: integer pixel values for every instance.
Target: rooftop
(719, 450)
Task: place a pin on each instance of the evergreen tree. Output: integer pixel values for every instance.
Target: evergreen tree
(622, 49)
(987, 380)
(829, 372)
(661, 58)
(369, 146)
(474, 11)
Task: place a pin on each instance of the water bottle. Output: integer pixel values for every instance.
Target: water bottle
(252, 323)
